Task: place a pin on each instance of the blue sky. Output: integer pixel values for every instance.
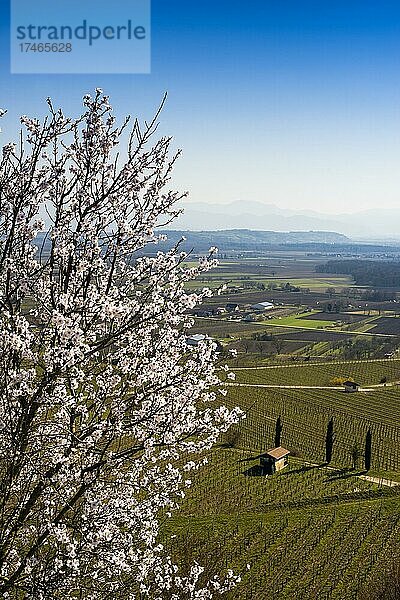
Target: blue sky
(287, 102)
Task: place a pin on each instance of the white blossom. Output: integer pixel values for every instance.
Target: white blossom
(100, 397)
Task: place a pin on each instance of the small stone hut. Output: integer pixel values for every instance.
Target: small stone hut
(274, 460)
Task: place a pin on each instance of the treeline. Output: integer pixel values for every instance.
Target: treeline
(365, 272)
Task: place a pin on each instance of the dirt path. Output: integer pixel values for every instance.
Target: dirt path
(379, 480)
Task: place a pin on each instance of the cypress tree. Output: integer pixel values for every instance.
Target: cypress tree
(368, 450)
(329, 439)
(355, 453)
(278, 432)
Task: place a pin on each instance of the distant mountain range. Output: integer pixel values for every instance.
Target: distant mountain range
(246, 240)
(368, 224)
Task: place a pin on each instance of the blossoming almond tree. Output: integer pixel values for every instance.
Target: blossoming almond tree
(103, 411)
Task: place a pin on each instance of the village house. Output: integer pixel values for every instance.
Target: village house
(274, 460)
(203, 313)
(232, 306)
(249, 318)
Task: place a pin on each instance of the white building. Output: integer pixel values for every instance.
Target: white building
(195, 339)
(261, 306)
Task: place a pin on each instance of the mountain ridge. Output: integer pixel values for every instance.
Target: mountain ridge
(370, 223)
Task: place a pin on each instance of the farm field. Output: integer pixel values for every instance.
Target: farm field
(309, 320)
(386, 325)
(314, 321)
(315, 335)
(318, 283)
(276, 271)
(339, 317)
(241, 281)
(301, 321)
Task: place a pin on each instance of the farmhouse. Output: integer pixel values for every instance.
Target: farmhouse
(274, 460)
(350, 386)
(232, 306)
(203, 313)
(261, 306)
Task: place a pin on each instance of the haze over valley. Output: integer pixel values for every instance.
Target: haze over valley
(369, 224)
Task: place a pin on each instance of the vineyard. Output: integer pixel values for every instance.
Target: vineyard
(311, 531)
(387, 325)
(328, 553)
(365, 372)
(305, 413)
(300, 484)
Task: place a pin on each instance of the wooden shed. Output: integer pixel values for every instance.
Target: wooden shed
(274, 460)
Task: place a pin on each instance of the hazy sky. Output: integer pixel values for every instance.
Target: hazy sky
(292, 102)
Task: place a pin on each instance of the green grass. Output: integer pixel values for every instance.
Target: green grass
(299, 321)
(320, 283)
(381, 474)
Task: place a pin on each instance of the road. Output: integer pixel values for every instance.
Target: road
(379, 480)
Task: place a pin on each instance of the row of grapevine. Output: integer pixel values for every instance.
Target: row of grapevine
(305, 414)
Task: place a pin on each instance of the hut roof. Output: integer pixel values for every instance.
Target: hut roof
(277, 453)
